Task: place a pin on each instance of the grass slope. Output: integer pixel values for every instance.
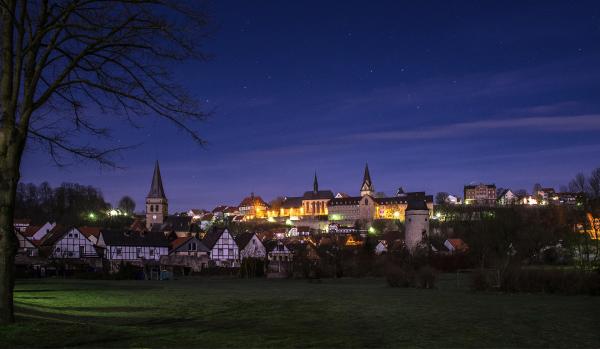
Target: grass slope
(210, 312)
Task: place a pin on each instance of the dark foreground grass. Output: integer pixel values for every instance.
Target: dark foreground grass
(291, 313)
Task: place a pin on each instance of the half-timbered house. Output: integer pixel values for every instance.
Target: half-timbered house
(131, 246)
(224, 251)
(250, 246)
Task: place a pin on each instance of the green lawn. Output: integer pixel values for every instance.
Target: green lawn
(210, 312)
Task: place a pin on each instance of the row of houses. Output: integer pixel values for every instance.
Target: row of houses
(488, 195)
(95, 247)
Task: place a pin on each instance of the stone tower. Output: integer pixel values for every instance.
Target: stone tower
(367, 185)
(416, 222)
(157, 205)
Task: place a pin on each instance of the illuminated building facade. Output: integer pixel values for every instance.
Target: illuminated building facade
(312, 204)
(253, 207)
(367, 207)
(480, 194)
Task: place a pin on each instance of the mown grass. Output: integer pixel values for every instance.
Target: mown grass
(211, 312)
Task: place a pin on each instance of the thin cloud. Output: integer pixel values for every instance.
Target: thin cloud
(550, 124)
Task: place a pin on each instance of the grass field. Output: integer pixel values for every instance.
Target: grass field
(209, 312)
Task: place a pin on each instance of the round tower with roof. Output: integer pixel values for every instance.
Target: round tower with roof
(416, 222)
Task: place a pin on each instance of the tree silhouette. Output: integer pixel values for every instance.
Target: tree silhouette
(66, 66)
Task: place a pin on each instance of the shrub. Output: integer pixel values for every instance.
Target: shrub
(426, 277)
(399, 276)
(480, 280)
(569, 282)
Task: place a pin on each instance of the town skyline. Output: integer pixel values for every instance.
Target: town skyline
(412, 89)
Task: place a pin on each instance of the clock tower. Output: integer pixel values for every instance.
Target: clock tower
(157, 205)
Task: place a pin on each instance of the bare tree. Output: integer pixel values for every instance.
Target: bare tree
(127, 204)
(594, 183)
(578, 184)
(69, 69)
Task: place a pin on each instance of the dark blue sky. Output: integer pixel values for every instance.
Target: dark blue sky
(433, 95)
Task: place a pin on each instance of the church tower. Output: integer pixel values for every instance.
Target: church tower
(157, 205)
(367, 186)
(315, 184)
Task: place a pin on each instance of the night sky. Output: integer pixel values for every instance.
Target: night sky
(433, 95)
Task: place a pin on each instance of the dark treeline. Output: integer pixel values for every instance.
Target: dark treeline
(70, 203)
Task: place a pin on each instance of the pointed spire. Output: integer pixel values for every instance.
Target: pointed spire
(367, 176)
(156, 189)
(315, 184)
(367, 185)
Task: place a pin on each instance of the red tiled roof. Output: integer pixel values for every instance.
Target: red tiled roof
(458, 244)
(179, 241)
(31, 230)
(90, 231)
(253, 201)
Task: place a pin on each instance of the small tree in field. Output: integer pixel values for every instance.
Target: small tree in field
(68, 65)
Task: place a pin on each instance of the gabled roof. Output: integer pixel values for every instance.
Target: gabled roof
(417, 205)
(243, 239)
(198, 211)
(133, 238)
(253, 200)
(220, 208)
(319, 195)
(89, 231)
(230, 209)
(458, 244)
(292, 202)
(351, 200)
(211, 238)
(156, 188)
(31, 230)
(179, 242)
(54, 235)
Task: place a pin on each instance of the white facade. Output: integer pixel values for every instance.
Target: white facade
(225, 252)
(381, 247)
(253, 249)
(73, 244)
(134, 253)
(26, 246)
(417, 226)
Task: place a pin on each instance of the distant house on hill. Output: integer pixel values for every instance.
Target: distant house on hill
(250, 246)
(507, 197)
(223, 250)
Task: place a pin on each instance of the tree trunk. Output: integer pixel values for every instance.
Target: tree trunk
(9, 177)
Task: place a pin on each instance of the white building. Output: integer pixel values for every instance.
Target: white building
(250, 246)
(71, 243)
(133, 246)
(224, 251)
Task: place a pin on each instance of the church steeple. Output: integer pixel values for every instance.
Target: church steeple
(156, 188)
(157, 205)
(367, 185)
(315, 184)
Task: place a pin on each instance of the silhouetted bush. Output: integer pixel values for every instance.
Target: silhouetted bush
(554, 281)
(399, 276)
(481, 280)
(426, 277)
